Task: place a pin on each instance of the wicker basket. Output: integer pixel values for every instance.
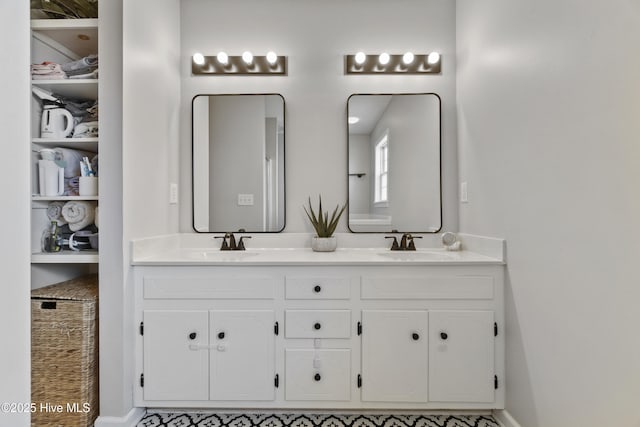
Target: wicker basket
(64, 353)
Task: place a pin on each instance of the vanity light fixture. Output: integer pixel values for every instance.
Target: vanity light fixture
(244, 65)
(353, 120)
(384, 63)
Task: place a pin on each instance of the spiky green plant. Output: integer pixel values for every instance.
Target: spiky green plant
(324, 225)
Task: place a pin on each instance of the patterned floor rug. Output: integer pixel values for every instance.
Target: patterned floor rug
(313, 420)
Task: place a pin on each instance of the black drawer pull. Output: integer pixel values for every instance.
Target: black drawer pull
(317, 377)
(444, 335)
(221, 335)
(317, 289)
(317, 326)
(192, 336)
(415, 336)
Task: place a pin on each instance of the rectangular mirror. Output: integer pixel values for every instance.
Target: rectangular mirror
(238, 163)
(394, 163)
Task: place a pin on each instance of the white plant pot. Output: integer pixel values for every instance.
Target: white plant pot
(324, 244)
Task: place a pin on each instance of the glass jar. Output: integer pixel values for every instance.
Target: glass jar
(52, 238)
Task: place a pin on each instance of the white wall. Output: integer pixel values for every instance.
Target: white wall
(115, 383)
(315, 35)
(15, 318)
(549, 97)
(148, 157)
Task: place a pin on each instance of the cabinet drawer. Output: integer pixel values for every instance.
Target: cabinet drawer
(318, 374)
(159, 287)
(317, 323)
(317, 287)
(445, 287)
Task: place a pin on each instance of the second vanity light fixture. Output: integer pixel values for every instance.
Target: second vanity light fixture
(246, 64)
(384, 63)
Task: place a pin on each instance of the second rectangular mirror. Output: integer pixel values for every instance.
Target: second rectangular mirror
(238, 163)
(394, 163)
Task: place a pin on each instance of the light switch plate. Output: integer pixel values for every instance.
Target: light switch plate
(173, 193)
(464, 193)
(245, 199)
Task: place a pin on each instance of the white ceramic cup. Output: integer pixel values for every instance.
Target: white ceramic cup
(88, 186)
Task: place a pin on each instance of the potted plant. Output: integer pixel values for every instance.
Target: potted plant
(324, 241)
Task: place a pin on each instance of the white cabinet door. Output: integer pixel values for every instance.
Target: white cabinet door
(394, 355)
(175, 355)
(242, 355)
(461, 356)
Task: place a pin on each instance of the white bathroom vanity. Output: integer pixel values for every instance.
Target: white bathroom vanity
(359, 328)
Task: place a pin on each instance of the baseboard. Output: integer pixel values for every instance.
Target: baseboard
(129, 420)
(505, 418)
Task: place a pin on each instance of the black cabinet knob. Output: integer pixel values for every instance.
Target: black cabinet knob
(415, 336)
(317, 326)
(221, 335)
(192, 336)
(317, 377)
(444, 335)
(317, 289)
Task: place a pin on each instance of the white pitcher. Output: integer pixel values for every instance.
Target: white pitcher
(56, 123)
(51, 178)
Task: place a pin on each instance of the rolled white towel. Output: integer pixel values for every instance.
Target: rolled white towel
(79, 214)
(54, 212)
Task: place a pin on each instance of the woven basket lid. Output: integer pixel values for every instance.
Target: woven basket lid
(83, 288)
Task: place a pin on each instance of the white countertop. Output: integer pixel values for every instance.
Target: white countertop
(290, 249)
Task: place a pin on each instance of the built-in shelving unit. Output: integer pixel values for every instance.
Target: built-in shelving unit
(60, 41)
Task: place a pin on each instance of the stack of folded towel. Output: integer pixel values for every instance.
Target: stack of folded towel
(47, 71)
(84, 68)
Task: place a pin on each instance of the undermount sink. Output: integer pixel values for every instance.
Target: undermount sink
(417, 256)
(216, 255)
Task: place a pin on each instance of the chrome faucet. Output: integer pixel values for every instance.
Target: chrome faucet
(232, 245)
(406, 242)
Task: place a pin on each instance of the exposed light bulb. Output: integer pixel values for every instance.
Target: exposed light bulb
(360, 58)
(198, 58)
(353, 120)
(407, 58)
(247, 57)
(433, 58)
(222, 58)
(272, 58)
(384, 58)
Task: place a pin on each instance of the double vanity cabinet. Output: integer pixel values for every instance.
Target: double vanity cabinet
(403, 335)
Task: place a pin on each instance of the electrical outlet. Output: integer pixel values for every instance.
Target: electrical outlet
(245, 199)
(173, 193)
(464, 193)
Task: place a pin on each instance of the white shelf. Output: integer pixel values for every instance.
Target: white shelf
(72, 88)
(86, 144)
(64, 24)
(65, 257)
(36, 198)
(79, 35)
